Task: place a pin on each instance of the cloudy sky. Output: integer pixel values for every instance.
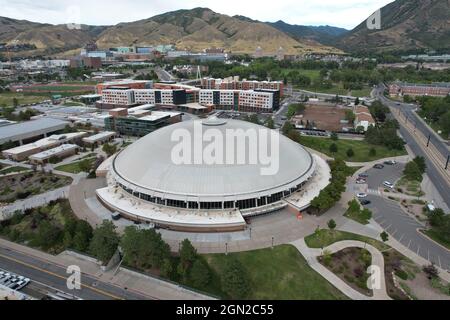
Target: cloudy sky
(341, 13)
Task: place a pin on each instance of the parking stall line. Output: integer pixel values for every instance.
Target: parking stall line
(401, 238)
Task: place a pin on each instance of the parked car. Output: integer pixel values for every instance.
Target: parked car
(361, 195)
(390, 162)
(363, 175)
(361, 181)
(365, 202)
(388, 184)
(378, 166)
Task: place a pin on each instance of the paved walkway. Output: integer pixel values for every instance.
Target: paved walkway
(311, 256)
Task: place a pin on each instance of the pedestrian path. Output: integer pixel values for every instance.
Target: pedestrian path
(311, 255)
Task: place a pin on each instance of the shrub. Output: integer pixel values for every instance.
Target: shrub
(401, 274)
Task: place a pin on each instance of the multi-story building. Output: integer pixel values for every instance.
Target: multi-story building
(414, 90)
(140, 123)
(233, 83)
(117, 97)
(125, 83)
(258, 100)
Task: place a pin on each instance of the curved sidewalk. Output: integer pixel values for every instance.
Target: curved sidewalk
(311, 256)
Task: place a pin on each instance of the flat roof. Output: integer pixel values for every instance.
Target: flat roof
(30, 129)
(53, 152)
(99, 136)
(45, 142)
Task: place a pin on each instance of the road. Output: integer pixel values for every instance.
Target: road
(163, 74)
(433, 172)
(397, 222)
(44, 274)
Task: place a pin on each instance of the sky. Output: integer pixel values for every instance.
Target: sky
(341, 13)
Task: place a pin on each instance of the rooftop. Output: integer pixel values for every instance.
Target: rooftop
(53, 152)
(30, 129)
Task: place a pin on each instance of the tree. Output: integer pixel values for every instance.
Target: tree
(48, 235)
(372, 152)
(420, 161)
(287, 127)
(331, 224)
(166, 268)
(188, 254)
(357, 101)
(82, 236)
(105, 241)
(333, 148)
(413, 172)
(384, 236)
(109, 149)
(15, 102)
(350, 153)
(270, 123)
(350, 116)
(235, 279)
(200, 275)
(334, 136)
(144, 248)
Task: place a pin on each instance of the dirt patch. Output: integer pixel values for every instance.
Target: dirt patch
(324, 117)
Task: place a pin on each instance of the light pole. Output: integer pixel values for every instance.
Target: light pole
(226, 248)
(429, 138)
(448, 160)
(272, 241)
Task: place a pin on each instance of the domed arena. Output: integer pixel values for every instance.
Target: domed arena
(182, 177)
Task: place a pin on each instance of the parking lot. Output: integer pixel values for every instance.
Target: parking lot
(394, 220)
(13, 281)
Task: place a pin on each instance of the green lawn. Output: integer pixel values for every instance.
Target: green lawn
(277, 274)
(365, 92)
(6, 98)
(13, 169)
(436, 236)
(73, 167)
(358, 214)
(361, 149)
(324, 237)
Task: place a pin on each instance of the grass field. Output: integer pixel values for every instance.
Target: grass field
(362, 93)
(6, 98)
(361, 149)
(277, 274)
(73, 167)
(324, 237)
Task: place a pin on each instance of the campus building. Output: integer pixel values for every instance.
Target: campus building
(139, 122)
(416, 90)
(258, 100)
(146, 184)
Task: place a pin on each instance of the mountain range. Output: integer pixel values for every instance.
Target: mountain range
(405, 25)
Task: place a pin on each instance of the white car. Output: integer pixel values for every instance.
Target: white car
(361, 195)
(388, 185)
(361, 181)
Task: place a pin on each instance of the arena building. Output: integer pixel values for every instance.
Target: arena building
(145, 184)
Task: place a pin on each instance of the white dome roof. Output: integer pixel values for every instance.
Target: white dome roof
(147, 166)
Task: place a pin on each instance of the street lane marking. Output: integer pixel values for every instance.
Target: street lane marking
(401, 238)
(409, 243)
(59, 276)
